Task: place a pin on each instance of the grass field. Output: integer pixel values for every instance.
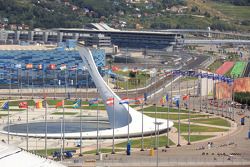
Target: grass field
(52, 150)
(16, 103)
(65, 113)
(163, 109)
(149, 142)
(196, 128)
(174, 116)
(138, 81)
(194, 138)
(238, 69)
(236, 12)
(14, 109)
(213, 121)
(54, 102)
(213, 67)
(2, 115)
(103, 150)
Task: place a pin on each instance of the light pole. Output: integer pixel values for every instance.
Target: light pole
(194, 96)
(200, 79)
(97, 141)
(80, 131)
(27, 129)
(142, 136)
(167, 146)
(61, 155)
(179, 123)
(9, 107)
(113, 142)
(158, 132)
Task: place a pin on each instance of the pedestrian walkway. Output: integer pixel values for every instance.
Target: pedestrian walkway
(173, 136)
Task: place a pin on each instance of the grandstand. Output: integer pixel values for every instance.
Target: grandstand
(238, 69)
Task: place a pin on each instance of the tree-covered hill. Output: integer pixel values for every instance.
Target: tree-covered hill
(157, 14)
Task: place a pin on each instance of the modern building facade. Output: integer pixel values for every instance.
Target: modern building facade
(29, 67)
(95, 34)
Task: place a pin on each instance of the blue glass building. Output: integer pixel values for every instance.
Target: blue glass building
(13, 67)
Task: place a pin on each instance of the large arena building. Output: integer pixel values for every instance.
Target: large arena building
(95, 34)
(26, 66)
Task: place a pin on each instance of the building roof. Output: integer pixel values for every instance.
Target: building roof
(14, 156)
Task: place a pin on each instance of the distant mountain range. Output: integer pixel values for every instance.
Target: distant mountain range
(156, 14)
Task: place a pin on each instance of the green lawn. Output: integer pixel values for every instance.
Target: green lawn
(196, 128)
(213, 121)
(238, 69)
(149, 142)
(194, 138)
(138, 81)
(213, 67)
(103, 150)
(174, 116)
(100, 107)
(65, 113)
(14, 109)
(52, 150)
(2, 115)
(54, 102)
(163, 109)
(16, 103)
(237, 12)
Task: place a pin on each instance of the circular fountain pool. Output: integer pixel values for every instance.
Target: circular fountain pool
(55, 127)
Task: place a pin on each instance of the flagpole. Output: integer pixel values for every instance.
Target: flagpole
(32, 83)
(87, 84)
(128, 110)
(172, 78)
(64, 110)
(63, 128)
(21, 85)
(80, 130)
(218, 112)
(233, 99)
(18, 83)
(222, 102)
(76, 84)
(189, 108)
(9, 110)
(113, 142)
(207, 95)
(61, 155)
(46, 128)
(194, 96)
(54, 83)
(97, 135)
(200, 83)
(213, 94)
(167, 146)
(155, 114)
(27, 129)
(142, 136)
(179, 123)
